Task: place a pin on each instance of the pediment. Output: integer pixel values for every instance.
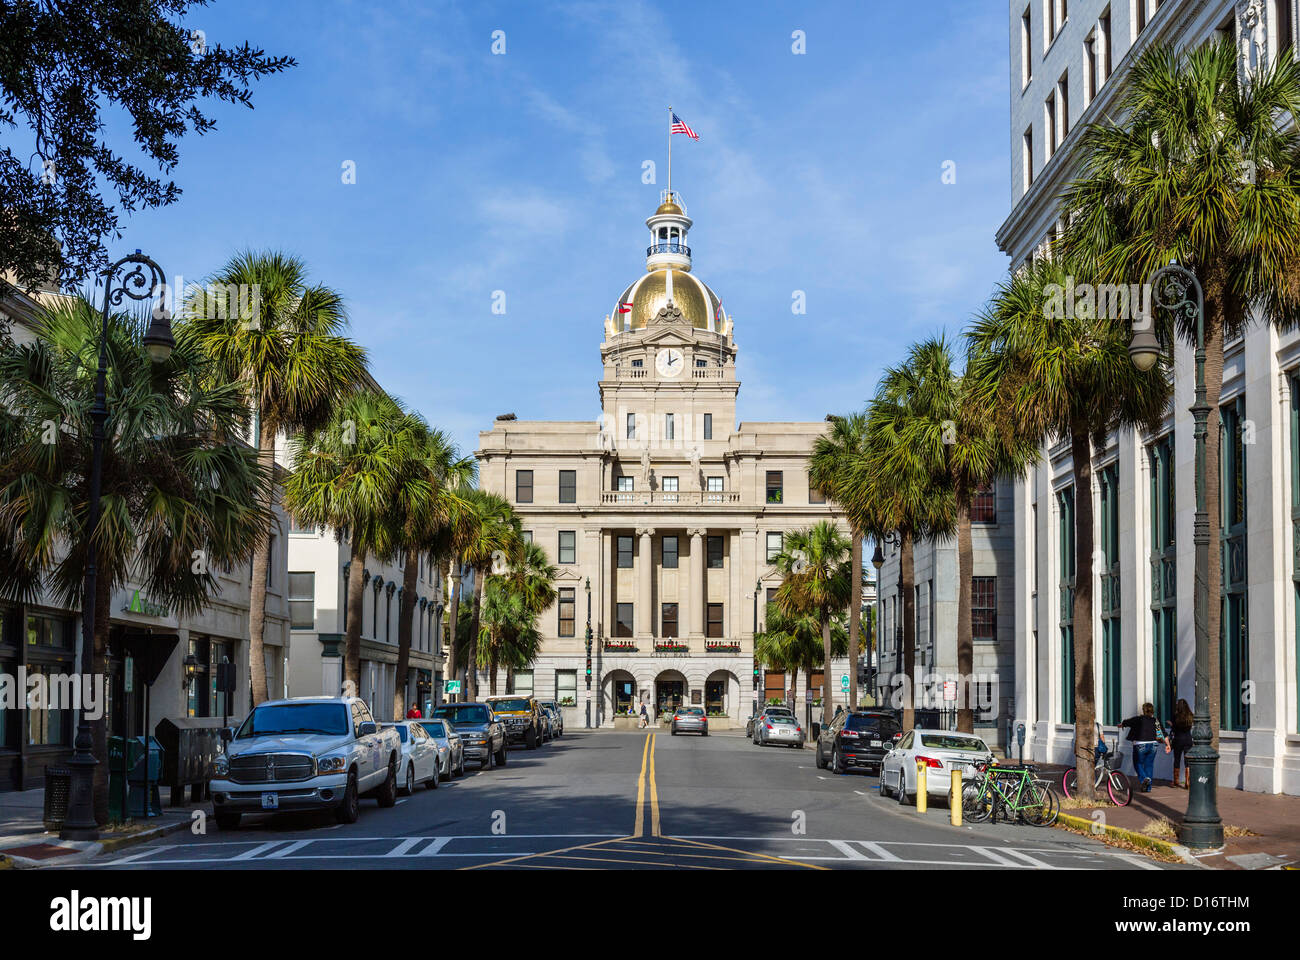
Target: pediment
(669, 337)
(567, 575)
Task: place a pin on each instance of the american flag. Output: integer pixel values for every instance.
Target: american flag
(679, 126)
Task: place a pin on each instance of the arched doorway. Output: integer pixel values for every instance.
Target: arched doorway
(670, 691)
(620, 692)
(721, 693)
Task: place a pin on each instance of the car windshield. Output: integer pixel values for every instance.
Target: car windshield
(779, 711)
(947, 741)
(461, 713)
(882, 728)
(691, 711)
(515, 703)
(286, 718)
(785, 718)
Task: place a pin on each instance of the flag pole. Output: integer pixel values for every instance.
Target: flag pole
(670, 150)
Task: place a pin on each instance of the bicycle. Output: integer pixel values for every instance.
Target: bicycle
(1000, 791)
(1117, 785)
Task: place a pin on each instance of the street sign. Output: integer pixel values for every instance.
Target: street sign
(950, 690)
(451, 686)
(844, 683)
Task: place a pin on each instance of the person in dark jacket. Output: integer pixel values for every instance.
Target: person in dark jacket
(1180, 739)
(1145, 733)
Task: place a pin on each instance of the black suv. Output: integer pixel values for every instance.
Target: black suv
(483, 736)
(857, 739)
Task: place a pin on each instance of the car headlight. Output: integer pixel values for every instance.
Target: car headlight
(331, 764)
(221, 767)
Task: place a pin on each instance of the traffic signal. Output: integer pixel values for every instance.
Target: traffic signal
(589, 668)
(758, 676)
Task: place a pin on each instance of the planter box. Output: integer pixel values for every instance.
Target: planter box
(626, 723)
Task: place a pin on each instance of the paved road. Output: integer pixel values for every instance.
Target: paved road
(635, 800)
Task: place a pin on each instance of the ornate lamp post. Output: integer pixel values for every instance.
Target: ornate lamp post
(587, 587)
(1176, 289)
(140, 282)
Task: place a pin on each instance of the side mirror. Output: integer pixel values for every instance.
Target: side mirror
(367, 728)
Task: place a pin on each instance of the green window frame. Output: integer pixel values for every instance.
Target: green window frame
(1164, 576)
(1065, 502)
(1294, 381)
(1234, 633)
(1111, 632)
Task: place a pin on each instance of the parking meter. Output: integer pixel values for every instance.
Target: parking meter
(1020, 740)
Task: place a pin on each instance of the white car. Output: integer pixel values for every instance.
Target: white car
(422, 757)
(941, 751)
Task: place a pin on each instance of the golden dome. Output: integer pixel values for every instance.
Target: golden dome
(669, 206)
(648, 295)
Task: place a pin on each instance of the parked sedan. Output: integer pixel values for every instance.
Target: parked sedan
(690, 720)
(857, 739)
(422, 757)
(557, 717)
(443, 732)
(941, 751)
(484, 736)
(756, 723)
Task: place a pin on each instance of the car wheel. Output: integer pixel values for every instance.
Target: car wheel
(502, 755)
(884, 784)
(436, 779)
(408, 788)
(837, 762)
(387, 794)
(674, 729)
(902, 789)
(821, 761)
(228, 819)
(530, 739)
(486, 762)
(460, 770)
(350, 807)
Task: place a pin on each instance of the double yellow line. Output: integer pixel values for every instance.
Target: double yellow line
(647, 777)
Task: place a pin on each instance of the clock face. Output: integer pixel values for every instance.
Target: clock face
(670, 362)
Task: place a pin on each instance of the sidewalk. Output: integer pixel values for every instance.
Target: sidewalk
(24, 842)
(1274, 819)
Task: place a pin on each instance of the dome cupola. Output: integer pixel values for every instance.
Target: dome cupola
(668, 225)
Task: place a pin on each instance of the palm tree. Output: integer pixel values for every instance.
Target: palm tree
(1206, 170)
(830, 466)
(447, 546)
(289, 352)
(954, 435)
(494, 544)
(512, 604)
(815, 567)
(1065, 377)
(181, 494)
(791, 643)
(347, 475)
(421, 512)
(895, 487)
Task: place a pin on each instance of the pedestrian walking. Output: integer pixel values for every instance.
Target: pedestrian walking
(1180, 729)
(413, 714)
(1145, 732)
(645, 715)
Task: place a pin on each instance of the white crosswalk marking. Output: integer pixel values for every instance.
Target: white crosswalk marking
(878, 850)
(405, 845)
(257, 851)
(285, 851)
(432, 849)
(848, 851)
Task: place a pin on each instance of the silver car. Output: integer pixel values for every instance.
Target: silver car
(758, 722)
(781, 728)
(690, 720)
(445, 735)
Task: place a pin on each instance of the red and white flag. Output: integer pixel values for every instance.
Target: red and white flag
(679, 126)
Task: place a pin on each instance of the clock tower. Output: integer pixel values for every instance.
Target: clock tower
(669, 385)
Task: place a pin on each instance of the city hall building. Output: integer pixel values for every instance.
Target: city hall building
(664, 515)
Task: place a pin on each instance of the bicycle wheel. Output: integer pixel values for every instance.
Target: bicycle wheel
(976, 804)
(1118, 787)
(1041, 805)
(1070, 783)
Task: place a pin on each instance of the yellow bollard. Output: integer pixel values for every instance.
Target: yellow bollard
(921, 794)
(954, 796)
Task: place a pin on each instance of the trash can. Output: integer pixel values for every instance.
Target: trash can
(58, 785)
(138, 767)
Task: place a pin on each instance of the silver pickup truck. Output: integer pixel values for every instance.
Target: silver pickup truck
(307, 753)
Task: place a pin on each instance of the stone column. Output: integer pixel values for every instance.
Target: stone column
(699, 571)
(644, 609)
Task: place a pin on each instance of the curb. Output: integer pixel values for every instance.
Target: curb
(1140, 840)
(9, 861)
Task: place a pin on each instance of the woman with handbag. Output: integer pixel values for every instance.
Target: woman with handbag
(1144, 732)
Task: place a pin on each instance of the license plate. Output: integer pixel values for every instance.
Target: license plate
(270, 801)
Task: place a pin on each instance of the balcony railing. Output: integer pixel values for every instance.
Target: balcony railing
(675, 498)
(674, 646)
(668, 246)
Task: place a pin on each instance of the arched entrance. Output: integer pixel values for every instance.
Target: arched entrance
(670, 691)
(620, 692)
(721, 693)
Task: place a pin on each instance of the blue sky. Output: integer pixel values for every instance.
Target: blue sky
(522, 172)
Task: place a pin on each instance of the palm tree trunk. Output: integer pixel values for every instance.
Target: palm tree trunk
(492, 675)
(1215, 295)
(471, 659)
(99, 728)
(405, 615)
(352, 629)
(965, 629)
(855, 618)
(826, 665)
(261, 561)
(907, 586)
(453, 582)
(1085, 706)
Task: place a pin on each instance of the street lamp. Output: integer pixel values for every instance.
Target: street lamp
(141, 282)
(1176, 289)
